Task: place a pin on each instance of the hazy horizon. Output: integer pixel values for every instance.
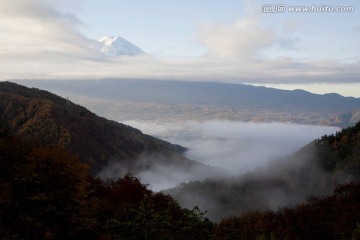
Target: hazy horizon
(236, 41)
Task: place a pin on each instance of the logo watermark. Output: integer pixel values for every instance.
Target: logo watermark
(283, 8)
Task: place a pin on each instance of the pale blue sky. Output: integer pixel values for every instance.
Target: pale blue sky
(171, 27)
(159, 26)
(190, 40)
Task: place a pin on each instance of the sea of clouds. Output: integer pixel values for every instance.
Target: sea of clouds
(236, 147)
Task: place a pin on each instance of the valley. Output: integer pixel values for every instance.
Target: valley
(229, 169)
(179, 120)
(171, 101)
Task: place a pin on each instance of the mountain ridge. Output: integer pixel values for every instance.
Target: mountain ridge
(239, 102)
(48, 119)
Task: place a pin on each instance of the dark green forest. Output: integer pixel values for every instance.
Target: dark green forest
(49, 119)
(47, 193)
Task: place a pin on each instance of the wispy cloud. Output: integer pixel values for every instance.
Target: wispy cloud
(37, 40)
(34, 27)
(241, 40)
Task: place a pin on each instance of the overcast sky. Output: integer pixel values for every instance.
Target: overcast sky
(229, 41)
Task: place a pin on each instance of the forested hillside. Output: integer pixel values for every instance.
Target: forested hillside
(333, 217)
(320, 217)
(48, 119)
(313, 170)
(46, 193)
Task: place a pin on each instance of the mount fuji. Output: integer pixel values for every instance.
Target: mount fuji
(116, 46)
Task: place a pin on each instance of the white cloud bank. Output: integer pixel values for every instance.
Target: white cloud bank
(232, 148)
(237, 147)
(39, 41)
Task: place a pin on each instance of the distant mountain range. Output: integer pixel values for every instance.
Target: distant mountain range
(214, 100)
(48, 119)
(116, 46)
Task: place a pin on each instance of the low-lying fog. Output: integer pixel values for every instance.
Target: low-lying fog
(237, 147)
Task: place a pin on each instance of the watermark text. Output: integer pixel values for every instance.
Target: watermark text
(283, 8)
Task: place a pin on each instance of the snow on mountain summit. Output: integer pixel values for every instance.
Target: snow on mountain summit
(116, 46)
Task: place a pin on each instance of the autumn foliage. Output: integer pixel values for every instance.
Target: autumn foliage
(46, 193)
(333, 217)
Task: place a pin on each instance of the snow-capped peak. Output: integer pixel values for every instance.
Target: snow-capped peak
(117, 46)
(108, 40)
